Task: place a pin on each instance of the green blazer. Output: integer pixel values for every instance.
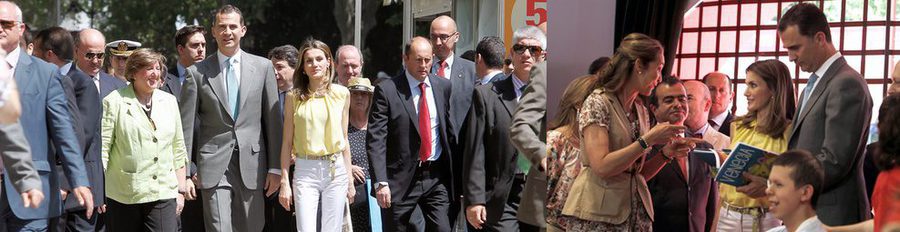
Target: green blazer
(140, 160)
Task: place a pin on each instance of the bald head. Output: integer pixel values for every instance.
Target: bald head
(698, 104)
(349, 63)
(719, 86)
(10, 12)
(894, 88)
(443, 36)
(89, 50)
(417, 56)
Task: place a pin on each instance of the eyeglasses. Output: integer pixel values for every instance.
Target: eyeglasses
(92, 55)
(520, 49)
(7, 24)
(443, 38)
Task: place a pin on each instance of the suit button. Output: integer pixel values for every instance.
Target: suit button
(155, 159)
(154, 177)
(154, 139)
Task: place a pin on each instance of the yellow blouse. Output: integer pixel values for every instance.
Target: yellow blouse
(748, 135)
(317, 123)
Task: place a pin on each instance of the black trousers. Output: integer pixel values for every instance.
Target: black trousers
(78, 221)
(191, 219)
(278, 219)
(156, 216)
(430, 193)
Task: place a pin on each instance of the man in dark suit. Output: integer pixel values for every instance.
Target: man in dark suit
(834, 113)
(461, 73)
(90, 45)
(284, 58)
(684, 193)
(489, 60)
(408, 145)
(191, 47)
(490, 159)
(48, 124)
(720, 116)
(55, 45)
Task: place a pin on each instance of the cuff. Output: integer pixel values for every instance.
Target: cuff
(275, 171)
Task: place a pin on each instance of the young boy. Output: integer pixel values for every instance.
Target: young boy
(794, 184)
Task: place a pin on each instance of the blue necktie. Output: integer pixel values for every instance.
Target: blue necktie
(808, 90)
(233, 93)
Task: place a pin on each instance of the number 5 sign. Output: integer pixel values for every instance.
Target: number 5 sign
(520, 13)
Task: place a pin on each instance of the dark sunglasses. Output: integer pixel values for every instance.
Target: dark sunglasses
(8, 24)
(519, 49)
(91, 55)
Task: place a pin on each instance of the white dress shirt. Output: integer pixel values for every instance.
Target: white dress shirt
(432, 112)
(449, 61)
(235, 65)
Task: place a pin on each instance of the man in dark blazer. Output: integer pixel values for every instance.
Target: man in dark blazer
(407, 141)
(461, 73)
(834, 112)
(90, 46)
(489, 60)
(48, 123)
(720, 116)
(684, 197)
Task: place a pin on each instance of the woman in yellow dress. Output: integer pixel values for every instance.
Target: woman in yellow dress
(767, 124)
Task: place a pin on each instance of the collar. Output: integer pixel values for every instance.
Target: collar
(223, 58)
(487, 79)
(449, 61)
(702, 130)
(180, 69)
(13, 57)
(413, 83)
(721, 117)
(63, 70)
(516, 82)
(827, 64)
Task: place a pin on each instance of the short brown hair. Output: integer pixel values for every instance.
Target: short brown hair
(807, 170)
(182, 35)
(140, 59)
(227, 9)
(808, 18)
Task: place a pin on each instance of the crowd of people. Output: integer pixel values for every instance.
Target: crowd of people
(300, 141)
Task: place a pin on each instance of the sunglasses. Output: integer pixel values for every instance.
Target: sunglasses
(92, 55)
(520, 49)
(8, 24)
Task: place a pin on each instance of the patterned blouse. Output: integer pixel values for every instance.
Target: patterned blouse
(358, 148)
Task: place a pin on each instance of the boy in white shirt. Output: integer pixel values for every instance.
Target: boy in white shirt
(794, 184)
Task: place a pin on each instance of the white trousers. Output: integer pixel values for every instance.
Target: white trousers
(730, 220)
(313, 182)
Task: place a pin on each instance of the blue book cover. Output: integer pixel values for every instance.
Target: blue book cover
(745, 158)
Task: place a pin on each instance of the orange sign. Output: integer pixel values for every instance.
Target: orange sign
(520, 13)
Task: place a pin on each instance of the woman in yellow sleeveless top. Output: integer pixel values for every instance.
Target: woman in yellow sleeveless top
(770, 100)
(316, 116)
(609, 194)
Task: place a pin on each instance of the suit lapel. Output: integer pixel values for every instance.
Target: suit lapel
(215, 81)
(819, 89)
(248, 80)
(405, 94)
(455, 71)
(507, 94)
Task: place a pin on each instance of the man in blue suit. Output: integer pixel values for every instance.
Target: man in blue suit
(56, 46)
(48, 117)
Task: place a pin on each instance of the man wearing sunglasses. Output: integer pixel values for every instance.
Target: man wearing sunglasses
(47, 117)
(89, 54)
(461, 72)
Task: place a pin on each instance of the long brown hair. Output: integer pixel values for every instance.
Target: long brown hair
(634, 47)
(570, 103)
(781, 107)
(301, 80)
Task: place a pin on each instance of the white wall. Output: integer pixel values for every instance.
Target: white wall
(579, 31)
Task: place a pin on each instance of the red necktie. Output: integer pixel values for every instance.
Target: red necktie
(424, 124)
(441, 69)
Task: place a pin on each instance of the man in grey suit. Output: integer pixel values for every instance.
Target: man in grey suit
(835, 109)
(234, 99)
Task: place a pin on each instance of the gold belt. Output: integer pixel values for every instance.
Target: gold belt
(329, 157)
(758, 213)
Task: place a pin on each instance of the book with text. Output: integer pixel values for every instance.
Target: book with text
(745, 158)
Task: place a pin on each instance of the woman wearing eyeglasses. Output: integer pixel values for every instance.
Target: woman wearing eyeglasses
(143, 150)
